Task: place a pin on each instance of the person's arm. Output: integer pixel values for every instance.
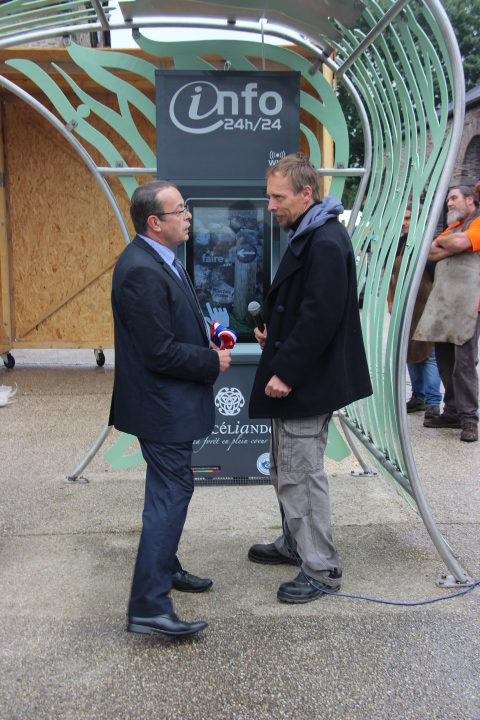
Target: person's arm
(454, 243)
(224, 358)
(437, 253)
(390, 296)
(276, 388)
(260, 336)
(146, 306)
(319, 315)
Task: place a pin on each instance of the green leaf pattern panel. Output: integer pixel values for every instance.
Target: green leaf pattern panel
(405, 82)
(98, 65)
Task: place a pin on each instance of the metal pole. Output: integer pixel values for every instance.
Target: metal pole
(66, 132)
(75, 475)
(129, 171)
(377, 454)
(401, 359)
(101, 15)
(366, 470)
(372, 35)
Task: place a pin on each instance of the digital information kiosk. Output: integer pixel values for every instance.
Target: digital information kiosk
(217, 133)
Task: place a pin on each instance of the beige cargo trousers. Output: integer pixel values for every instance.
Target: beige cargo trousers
(297, 473)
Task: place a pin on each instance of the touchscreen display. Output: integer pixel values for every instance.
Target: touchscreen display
(228, 258)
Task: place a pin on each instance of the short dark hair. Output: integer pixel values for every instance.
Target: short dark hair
(144, 202)
(466, 191)
(300, 172)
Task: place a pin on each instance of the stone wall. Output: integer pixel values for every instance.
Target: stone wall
(468, 162)
(467, 166)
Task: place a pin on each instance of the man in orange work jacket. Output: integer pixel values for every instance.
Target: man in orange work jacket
(457, 363)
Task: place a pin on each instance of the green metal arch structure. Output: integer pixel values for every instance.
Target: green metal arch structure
(399, 62)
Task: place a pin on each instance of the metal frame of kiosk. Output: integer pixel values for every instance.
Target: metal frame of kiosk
(395, 59)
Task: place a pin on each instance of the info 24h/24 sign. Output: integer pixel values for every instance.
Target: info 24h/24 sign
(219, 125)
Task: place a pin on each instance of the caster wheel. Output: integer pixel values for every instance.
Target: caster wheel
(9, 361)
(100, 358)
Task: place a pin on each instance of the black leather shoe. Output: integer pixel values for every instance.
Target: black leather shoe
(186, 582)
(166, 624)
(269, 555)
(301, 591)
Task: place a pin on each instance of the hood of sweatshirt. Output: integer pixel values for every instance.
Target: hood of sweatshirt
(327, 209)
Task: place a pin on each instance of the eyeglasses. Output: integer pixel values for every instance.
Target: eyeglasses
(184, 211)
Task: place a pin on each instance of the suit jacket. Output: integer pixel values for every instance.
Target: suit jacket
(314, 338)
(164, 367)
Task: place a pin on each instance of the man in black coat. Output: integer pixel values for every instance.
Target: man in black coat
(313, 362)
(163, 393)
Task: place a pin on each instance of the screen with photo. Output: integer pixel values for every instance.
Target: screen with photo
(229, 258)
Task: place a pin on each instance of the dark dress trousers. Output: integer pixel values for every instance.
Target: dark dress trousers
(163, 394)
(314, 338)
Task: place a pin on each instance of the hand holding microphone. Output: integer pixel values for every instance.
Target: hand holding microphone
(260, 330)
(254, 310)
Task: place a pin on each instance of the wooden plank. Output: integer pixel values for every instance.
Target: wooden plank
(326, 143)
(5, 289)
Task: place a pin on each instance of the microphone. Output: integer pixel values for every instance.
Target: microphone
(254, 310)
(223, 337)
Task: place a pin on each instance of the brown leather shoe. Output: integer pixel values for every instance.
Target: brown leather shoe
(469, 432)
(442, 421)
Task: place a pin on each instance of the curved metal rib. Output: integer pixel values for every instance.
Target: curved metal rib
(75, 475)
(401, 359)
(63, 130)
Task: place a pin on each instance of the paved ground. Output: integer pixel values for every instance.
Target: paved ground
(67, 552)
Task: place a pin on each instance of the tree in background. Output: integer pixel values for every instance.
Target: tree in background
(465, 18)
(355, 134)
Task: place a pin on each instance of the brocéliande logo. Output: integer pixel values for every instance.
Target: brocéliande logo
(199, 107)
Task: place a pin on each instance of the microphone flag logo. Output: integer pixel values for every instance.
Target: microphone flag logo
(223, 337)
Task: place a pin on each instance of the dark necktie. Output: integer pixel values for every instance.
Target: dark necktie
(183, 274)
(186, 280)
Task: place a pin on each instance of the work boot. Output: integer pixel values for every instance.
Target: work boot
(432, 411)
(469, 432)
(415, 404)
(442, 421)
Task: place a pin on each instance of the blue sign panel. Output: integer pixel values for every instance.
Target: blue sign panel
(219, 125)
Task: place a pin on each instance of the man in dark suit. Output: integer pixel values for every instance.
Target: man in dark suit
(165, 368)
(313, 362)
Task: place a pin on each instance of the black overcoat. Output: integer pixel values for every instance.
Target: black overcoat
(314, 338)
(164, 368)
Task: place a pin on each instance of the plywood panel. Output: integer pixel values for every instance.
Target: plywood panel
(63, 235)
(5, 313)
(83, 321)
